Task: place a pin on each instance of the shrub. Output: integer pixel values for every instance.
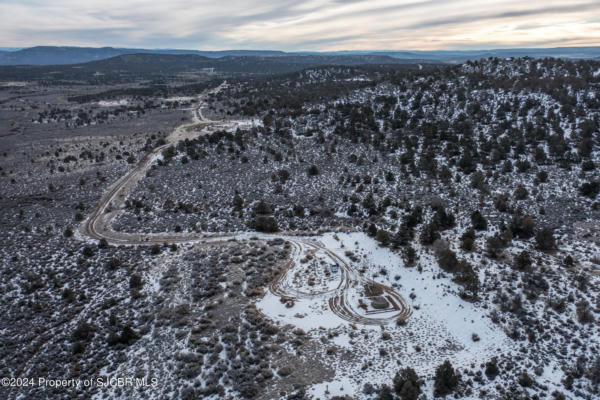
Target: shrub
(444, 220)
(447, 260)
(126, 337)
(521, 193)
(590, 189)
(525, 379)
(491, 369)
(467, 240)
(588, 165)
(113, 263)
(522, 226)
(545, 239)
(495, 245)
(478, 180)
(569, 261)
(135, 281)
(263, 208)
(410, 256)
(542, 176)
(407, 384)
(383, 237)
(385, 393)
(465, 275)
(87, 252)
(584, 315)
(478, 221)
(68, 232)
(501, 203)
(264, 224)
(284, 175)
(429, 234)
(154, 250)
(313, 170)
(84, 331)
(522, 261)
(78, 348)
(445, 380)
(238, 203)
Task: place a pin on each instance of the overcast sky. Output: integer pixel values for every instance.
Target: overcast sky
(301, 24)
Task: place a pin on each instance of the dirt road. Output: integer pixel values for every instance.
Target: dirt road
(97, 226)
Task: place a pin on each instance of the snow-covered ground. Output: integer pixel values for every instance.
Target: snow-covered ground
(113, 103)
(441, 325)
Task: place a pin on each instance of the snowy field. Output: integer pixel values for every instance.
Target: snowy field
(442, 325)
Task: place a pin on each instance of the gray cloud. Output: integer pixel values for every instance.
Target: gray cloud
(297, 24)
(465, 18)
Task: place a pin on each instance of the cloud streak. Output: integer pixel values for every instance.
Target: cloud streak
(299, 24)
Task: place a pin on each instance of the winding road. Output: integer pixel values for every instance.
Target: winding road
(97, 226)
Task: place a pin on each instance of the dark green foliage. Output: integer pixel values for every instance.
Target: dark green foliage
(83, 332)
(467, 240)
(501, 203)
(238, 202)
(135, 281)
(588, 165)
(410, 256)
(443, 219)
(78, 347)
(383, 237)
(495, 245)
(478, 221)
(263, 208)
(407, 384)
(542, 176)
(414, 218)
(313, 170)
(372, 230)
(403, 237)
(522, 226)
(430, 233)
(569, 262)
(584, 312)
(522, 261)
(264, 224)
(298, 211)
(526, 380)
(478, 181)
(87, 252)
(466, 276)
(385, 393)
(447, 260)
(491, 369)
(155, 249)
(590, 189)
(521, 193)
(445, 380)
(126, 337)
(369, 204)
(113, 263)
(545, 239)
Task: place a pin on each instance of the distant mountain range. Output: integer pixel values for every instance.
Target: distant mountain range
(52, 55)
(148, 66)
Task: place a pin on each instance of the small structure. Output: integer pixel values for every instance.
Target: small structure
(334, 268)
